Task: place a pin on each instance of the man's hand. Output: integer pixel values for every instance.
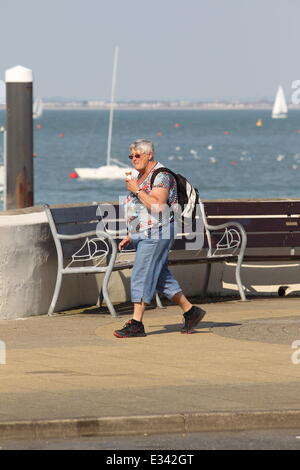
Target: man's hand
(124, 243)
(132, 185)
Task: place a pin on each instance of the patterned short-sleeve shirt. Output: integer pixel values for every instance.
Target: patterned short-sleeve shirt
(140, 218)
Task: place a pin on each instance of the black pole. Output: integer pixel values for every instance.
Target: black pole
(19, 138)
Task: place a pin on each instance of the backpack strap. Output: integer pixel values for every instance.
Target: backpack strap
(153, 176)
(161, 170)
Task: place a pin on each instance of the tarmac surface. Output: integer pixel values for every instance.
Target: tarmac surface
(68, 376)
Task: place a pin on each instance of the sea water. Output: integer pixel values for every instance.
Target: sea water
(222, 152)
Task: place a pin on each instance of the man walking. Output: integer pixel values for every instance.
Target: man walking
(151, 231)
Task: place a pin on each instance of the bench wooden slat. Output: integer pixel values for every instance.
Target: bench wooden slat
(278, 240)
(232, 208)
(64, 215)
(271, 258)
(73, 229)
(276, 224)
(295, 207)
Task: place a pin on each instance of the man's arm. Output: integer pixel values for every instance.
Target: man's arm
(155, 201)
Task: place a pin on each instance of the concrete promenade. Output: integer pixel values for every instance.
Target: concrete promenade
(67, 375)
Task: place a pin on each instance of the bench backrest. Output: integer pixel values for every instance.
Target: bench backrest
(75, 220)
(274, 223)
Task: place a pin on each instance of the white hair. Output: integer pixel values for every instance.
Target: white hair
(144, 145)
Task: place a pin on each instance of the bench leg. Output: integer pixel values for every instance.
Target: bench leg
(206, 280)
(106, 296)
(239, 282)
(158, 301)
(100, 299)
(56, 293)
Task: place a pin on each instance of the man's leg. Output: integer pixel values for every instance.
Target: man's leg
(138, 311)
(168, 285)
(181, 300)
(151, 254)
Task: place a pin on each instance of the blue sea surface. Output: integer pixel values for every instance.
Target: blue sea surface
(223, 152)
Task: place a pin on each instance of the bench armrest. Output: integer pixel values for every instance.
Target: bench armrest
(99, 235)
(233, 238)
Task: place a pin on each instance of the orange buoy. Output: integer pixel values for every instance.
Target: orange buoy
(177, 124)
(159, 133)
(226, 133)
(233, 162)
(34, 155)
(38, 126)
(61, 134)
(73, 175)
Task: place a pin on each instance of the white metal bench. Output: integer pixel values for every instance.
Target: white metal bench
(84, 245)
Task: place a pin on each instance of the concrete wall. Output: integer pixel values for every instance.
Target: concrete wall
(28, 267)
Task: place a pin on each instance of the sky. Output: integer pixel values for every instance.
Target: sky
(194, 50)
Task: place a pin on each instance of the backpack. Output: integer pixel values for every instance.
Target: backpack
(188, 196)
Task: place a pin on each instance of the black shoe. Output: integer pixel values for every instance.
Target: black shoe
(192, 318)
(131, 329)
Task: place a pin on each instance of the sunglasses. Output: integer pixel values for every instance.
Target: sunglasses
(137, 155)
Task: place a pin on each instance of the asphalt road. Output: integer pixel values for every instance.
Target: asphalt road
(287, 439)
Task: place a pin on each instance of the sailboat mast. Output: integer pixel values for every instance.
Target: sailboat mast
(112, 103)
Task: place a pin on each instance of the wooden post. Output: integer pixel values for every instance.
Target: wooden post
(19, 138)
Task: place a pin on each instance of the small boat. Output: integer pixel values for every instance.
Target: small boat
(111, 172)
(114, 169)
(280, 108)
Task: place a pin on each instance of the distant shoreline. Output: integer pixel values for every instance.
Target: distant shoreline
(157, 108)
(145, 107)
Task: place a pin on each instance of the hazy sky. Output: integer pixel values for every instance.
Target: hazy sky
(168, 49)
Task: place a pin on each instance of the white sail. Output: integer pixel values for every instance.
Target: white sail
(37, 108)
(280, 108)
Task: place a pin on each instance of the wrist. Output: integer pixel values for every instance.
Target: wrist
(138, 191)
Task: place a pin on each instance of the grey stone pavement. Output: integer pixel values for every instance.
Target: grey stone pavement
(67, 375)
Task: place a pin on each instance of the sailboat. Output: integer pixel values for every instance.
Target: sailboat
(37, 108)
(114, 169)
(280, 108)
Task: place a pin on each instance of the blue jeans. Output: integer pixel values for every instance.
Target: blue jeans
(150, 272)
